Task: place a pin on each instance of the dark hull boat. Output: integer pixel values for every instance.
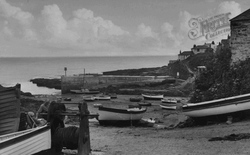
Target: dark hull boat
(152, 97)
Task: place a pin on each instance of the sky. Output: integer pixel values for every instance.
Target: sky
(42, 28)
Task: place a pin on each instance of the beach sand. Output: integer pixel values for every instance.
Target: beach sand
(130, 140)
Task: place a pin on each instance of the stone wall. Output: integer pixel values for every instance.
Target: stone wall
(240, 40)
(94, 81)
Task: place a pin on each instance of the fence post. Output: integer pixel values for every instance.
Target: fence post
(84, 137)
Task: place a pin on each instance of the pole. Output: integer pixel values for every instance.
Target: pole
(65, 70)
(84, 137)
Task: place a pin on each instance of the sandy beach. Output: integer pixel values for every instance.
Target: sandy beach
(159, 140)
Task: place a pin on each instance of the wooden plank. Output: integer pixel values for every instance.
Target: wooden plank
(5, 96)
(8, 100)
(2, 105)
(84, 137)
(10, 112)
(9, 109)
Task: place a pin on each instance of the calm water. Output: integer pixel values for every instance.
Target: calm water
(21, 70)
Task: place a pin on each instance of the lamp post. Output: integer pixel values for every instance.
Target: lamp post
(65, 70)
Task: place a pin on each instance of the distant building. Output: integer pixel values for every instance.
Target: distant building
(225, 43)
(172, 61)
(240, 36)
(184, 55)
(201, 49)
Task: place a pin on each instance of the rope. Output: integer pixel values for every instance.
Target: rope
(67, 137)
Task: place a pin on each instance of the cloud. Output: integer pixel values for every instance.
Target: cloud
(18, 19)
(168, 31)
(144, 31)
(229, 6)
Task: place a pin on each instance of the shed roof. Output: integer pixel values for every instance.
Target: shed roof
(243, 16)
(186, 53)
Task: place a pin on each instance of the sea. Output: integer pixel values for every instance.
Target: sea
(21, 70)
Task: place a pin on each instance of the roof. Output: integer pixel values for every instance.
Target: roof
(201, 47)
(186, 53)
(243, 16)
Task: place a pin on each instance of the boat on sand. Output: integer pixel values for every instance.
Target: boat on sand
(103, 97)
(113, 116)
(17, 135)
(218, 106)
(152, 97)
(85, 91)
(26, 142)
(168, 104)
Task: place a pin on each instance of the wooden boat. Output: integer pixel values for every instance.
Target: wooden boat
(218, 106)
(152, 97)
(120, 116)
(26, 142)
(103, 97)
(89, 98)
(168, 104)
(15, 138)
(84, 91)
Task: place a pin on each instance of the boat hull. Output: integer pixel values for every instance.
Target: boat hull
(119, 116)
(168, 106)
(218, 107)
(84, 92)
(103, 98)
(152, 97)
(26, 142)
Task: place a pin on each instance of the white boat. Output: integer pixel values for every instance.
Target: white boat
(13, 141)
(168, 104)
(152, 97)
(218, 106)
(119, 116)
(102, 97)
(84, 91)
(89, 98)
(26, 142)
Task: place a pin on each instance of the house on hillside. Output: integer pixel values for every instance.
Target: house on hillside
(240, 36)
(201, 49)
(184, 55)
(225, 43)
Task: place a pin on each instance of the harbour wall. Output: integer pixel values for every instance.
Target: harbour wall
(76, 82)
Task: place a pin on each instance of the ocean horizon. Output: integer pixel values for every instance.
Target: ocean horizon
(23, 69)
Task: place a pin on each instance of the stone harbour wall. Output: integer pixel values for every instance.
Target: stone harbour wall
(240, 40)
(93, 81)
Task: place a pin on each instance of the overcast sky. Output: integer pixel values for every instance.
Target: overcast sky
(104, 27)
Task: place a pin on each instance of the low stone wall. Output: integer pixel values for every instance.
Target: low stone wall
(91, 81)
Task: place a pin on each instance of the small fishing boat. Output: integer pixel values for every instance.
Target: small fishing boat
(26, 142)
(218, 106)
(89, 98)
(152, 97)
(120, 116)
(168, 104)
(84, 91)
(15, 138)
(103, 97)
